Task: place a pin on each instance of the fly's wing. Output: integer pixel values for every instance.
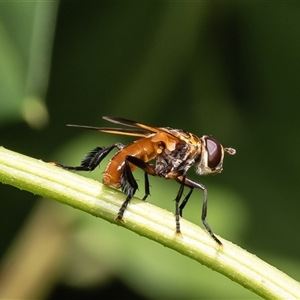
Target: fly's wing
(168, 136)
(123, 131)
(139, 130)
(143, 127)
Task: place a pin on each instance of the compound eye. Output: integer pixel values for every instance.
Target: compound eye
(214, 152)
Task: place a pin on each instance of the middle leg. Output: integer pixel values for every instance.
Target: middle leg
(128, 183)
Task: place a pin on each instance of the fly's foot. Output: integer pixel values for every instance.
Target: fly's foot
(177, 234)
(119, 218)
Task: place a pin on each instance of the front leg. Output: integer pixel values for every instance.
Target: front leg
(193, 184)
(177, 207)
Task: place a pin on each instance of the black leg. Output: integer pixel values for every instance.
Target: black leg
(185, 201)
(147, 186)
(92, 159)
(192, 184)
(129, 184)
(177, 208)
(147, 168)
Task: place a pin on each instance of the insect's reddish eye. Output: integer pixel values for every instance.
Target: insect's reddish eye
(214, 152)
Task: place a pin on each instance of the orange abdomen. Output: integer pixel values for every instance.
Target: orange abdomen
(144, 149)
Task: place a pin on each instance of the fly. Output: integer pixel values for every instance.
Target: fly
(160, 151)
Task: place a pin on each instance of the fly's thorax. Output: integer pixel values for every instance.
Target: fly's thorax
(177, 161)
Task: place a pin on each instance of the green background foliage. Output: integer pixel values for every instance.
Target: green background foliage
(226, 69)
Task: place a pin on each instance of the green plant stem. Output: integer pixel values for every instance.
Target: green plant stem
(146, 220)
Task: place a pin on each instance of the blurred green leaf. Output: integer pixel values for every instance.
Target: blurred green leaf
(26, 31)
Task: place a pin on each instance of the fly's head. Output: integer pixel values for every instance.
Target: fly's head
(212, 155)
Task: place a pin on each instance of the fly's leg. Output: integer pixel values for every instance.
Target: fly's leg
(177, 207)
(185, 201)
(192, 184)
(129, 184)
(92, 159)
(147, 186)
(179, 177)
(147, 168)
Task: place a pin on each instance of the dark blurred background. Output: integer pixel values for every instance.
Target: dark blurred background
(226, 69)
